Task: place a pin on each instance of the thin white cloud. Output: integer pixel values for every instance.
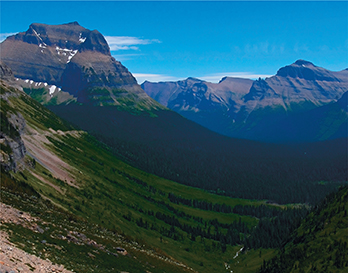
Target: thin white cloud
(216, 77)
(300, 48)
(141, 77)
(127, 43)
(3, 36)
(262, 48)
(126, 57)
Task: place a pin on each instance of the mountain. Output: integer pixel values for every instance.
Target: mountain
(75, 60)
(261, 109)
(205, 103)
(197, 95)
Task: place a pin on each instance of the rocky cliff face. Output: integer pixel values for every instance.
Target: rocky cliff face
(13, 152)
(12, 126)
(253, 109)
(75, 59)
(5, 72)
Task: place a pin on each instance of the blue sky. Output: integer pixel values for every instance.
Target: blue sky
(208, 40)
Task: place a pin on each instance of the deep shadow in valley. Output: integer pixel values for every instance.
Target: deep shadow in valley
(175, 148)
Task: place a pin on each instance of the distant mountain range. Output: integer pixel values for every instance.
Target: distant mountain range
(300, 103)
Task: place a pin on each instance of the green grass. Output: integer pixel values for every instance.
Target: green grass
(42, 96)
(37, 94)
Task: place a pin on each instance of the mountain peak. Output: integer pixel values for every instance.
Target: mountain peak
(306, 70)
(303, 63)
(75, 23)
(193, 79)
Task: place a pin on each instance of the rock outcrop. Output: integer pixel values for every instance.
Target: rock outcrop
(12, 146)
(5, 72)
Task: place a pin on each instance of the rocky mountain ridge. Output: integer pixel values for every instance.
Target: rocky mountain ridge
(251, 109)
(195, 94)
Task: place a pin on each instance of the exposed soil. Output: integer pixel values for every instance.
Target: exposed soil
(13, 259)
(36, 145)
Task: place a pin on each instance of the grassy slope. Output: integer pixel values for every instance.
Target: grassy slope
(106, 195)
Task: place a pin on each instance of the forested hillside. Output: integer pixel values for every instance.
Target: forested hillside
(320, 244)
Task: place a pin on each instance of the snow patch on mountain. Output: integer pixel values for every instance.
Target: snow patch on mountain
(52, 89)
(70, 53)
(38, 35)
(82, 39)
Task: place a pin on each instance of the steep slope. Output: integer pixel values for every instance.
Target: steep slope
(72, 202)
(76, 60)
(258, 110)
(12, 124)
(37, 177)
(320, 243)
